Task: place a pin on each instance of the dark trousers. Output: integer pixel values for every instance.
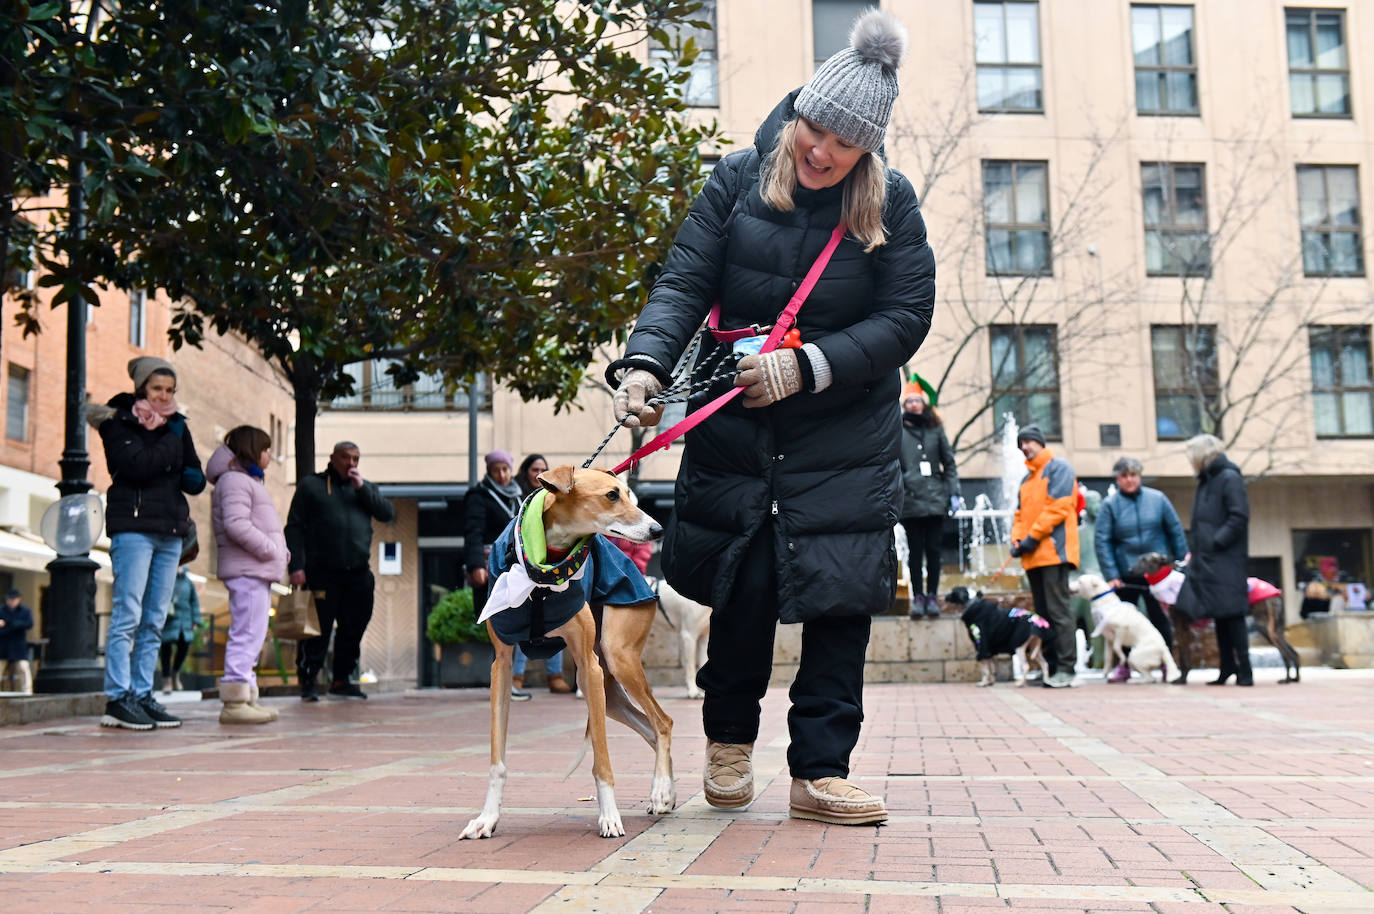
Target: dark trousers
(827, 695)
(923, 536)
(1132, 588)
(1050, 590)
(1233, 644)
(345, 598)
(173, 656)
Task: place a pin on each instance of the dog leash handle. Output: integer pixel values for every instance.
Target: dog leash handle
(784, 323)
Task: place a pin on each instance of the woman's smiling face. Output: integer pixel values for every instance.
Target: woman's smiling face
(822, 159)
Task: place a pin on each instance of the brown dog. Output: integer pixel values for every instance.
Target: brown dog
(578, 503)
(1268, 613)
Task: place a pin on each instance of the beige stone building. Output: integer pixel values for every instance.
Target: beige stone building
(1147, 221)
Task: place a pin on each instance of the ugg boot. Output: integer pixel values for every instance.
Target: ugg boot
(558, 685)
(254, 702)
(237, 710)
(517, 682)
(729, 777)
(835, 800)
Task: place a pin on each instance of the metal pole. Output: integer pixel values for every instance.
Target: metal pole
(474, 403)
(72, 663)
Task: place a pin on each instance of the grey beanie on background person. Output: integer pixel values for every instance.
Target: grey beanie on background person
(851, 94)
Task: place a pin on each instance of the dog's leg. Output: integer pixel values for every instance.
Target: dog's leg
(989, 674)
(1274, 631)
(580, 633)
(694, 690)
(1018, 666)
(485, 824)
(624, 634)
(687, 655)
(1183, 635)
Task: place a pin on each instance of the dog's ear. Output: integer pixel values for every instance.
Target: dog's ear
(559, 480)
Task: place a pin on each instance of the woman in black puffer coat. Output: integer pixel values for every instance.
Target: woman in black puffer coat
(1219, 539)
(786, 498)
(153, 467)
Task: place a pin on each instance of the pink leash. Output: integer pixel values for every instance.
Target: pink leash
(785, 320)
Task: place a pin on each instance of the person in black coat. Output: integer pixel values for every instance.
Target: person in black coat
(153, 467)
(15, 621)
(786, 498)
(1218, 537)
(930, 492)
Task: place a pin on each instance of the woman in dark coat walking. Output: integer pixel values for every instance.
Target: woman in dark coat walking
(786, 498)
(1218, 537)
(930, 491)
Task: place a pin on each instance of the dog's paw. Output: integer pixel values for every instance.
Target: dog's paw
(662, 796)
(481, 827)
(610, 824)
(695, 692)
(984, 683)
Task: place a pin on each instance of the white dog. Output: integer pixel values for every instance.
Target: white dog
(1122, 626)
(692, 622)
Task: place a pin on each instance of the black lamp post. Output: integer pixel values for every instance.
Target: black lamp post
(71, 663)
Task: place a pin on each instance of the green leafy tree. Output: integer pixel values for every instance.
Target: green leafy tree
(472, 185)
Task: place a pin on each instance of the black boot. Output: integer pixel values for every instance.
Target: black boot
(309, 691)
(1244, 675)
(1221, 680)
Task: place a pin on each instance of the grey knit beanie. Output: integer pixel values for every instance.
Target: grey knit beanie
(851, 94)
(142, 368)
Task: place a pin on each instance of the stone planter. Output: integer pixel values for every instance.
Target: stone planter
(466, 664)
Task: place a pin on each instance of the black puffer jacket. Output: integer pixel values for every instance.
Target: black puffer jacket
(146, 491)
(1219, 537)
(822, 467)
(927, 494)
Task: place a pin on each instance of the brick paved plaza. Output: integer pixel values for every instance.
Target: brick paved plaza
(1100, 798)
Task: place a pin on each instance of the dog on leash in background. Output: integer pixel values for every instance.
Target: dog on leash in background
(528, 601)
(692, 622)
(1266, 605)
(1122, 627)
(996, 630)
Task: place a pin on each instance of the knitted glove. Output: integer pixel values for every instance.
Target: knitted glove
(631, 399)
(1025, 546)
(769, 376)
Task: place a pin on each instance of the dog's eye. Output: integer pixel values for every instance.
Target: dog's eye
(613, 495)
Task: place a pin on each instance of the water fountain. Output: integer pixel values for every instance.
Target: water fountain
(985, 529)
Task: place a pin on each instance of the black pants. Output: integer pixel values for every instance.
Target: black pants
(827, 695)
(1050, 590)
(923, 537)
(173, 656)
(345, 598)
(1132, 588)
(1233, 644)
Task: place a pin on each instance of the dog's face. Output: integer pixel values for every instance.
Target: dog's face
(592, 501)
(1088, 585)
(1149, 563)
(957, 597)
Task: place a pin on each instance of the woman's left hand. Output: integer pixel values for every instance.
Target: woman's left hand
(769, 376)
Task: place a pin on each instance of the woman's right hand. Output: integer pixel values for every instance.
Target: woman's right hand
(478, 577)
(637, 387)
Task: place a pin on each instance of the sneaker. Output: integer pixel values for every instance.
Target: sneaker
(836, 801)
(1121, 674)
(157, 713)
(346, 690)
(310, 691)
(519, 694)
(729, 778)
(932, 604)
(1059, 680)
(125, 712)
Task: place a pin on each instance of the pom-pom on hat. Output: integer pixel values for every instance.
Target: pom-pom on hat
(851, 94)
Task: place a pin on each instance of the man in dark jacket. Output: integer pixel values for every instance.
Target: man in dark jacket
(1219, 536)
(1133, 521)
(329, 533)
(15, 621)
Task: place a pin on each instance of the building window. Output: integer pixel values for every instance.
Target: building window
(831, 21)
(374, 387)
(701, 89)
(1165, 68)
(17, 404)
(138, 311)
(1329, 207)
(1185, 366)
(1007, 49)
(1339, 558)
(1016, 213)
(1025, 376)
(1318, 68)
(1176, 239)
(1342, 392)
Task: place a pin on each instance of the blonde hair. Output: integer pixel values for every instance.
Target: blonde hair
(1202, 450)
(865, 189)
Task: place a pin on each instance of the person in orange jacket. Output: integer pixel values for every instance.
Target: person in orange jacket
(1044, 535)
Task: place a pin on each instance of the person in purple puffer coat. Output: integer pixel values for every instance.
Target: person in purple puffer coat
(252, 554)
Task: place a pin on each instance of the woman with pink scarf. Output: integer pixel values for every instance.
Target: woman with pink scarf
(153, 467)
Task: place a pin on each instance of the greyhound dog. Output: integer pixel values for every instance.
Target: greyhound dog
(528, 601)
(1266, 605)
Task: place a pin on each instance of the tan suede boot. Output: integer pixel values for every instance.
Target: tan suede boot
(261, 707)
(517, 682)
(559, 685)
(836, 801)
(237, 710)
(729, 778)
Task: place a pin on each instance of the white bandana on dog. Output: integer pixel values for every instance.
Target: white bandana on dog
(1165, 586)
